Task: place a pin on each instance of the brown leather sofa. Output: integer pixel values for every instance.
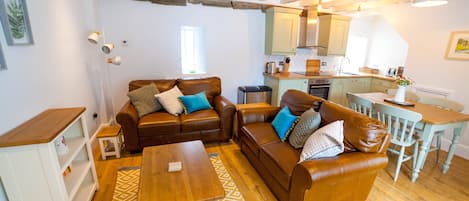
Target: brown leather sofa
(348, 176)
(162, 128)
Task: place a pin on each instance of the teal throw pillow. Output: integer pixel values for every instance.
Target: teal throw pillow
(284, 123)
(196, 102)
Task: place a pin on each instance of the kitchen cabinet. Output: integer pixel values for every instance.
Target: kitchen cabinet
(281, 31)
(381, 85)
(340, 87)
(280, 86)
(49, 158)
(333, 35)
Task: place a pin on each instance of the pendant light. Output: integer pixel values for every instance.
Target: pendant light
(428, 3)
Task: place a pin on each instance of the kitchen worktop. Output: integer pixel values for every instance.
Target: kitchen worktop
(293, 75)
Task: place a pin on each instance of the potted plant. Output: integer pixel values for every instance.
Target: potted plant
(402, 82)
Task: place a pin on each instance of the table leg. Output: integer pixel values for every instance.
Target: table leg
(457, 133)
(427, 140)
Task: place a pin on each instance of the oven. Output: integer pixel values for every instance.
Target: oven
(319, 87)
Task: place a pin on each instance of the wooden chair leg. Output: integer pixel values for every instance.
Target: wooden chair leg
(399, 163)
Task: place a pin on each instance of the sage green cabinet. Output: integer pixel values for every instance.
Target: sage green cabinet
(333, 35)
(280, 86)
(281, 31)
(340, 87)
(380, 85)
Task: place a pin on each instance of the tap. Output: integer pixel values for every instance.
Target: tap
(342, 62)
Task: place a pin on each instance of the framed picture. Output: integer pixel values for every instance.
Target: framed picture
(15, 22)
(458, 46)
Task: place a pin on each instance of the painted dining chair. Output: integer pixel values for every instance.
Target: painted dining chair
(360, 105)
(401, 124)
(409, 95)
(442, 103)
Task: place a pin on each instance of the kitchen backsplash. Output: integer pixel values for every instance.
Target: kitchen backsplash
(298, 61)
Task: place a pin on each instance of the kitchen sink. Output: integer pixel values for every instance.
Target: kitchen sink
(349, 73)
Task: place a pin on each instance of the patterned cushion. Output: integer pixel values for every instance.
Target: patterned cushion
(325, 142)
(170, 102)
(144, 99)
(309, 122)
(284, 122)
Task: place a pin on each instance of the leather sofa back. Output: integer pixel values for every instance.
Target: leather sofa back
(360, 132)
(211, 86)
(162, 85)
(298, 101)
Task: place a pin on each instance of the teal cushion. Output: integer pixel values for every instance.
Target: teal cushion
(284, 122)
(195, 102)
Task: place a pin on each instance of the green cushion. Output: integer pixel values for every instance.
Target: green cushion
(144, 99)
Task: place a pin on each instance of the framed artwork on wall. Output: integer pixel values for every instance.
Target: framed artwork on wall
(3, 63)
(15, 22)
(458, 46)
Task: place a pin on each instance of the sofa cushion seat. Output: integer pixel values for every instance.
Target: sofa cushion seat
(258, 134)
(158, 123)
(200, 120)
(279, 158)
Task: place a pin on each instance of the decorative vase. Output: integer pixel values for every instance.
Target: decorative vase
(400, 94)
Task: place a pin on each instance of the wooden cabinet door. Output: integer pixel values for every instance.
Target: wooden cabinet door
(285, 33)
(281, 31)
(336, 92)
(338, 37)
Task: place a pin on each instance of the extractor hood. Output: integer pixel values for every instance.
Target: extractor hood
(309, 22)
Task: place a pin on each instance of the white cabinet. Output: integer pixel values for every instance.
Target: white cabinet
(340, 87)
(280, 86)
(281, 31)
(32, 168)
(333, 35)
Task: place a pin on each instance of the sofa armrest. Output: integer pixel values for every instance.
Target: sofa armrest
(226, 110)
(128, 119)
(349, 175)
(253, 115)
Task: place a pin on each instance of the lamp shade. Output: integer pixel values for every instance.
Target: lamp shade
(107, 48)
(117, 60)
(94, 37)
(428, 3)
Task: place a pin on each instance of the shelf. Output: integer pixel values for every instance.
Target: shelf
(74, 146)
(86, 191)
(74, 179)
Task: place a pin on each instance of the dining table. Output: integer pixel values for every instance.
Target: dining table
(434, 119)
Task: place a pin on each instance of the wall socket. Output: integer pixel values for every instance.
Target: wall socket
(324, 63)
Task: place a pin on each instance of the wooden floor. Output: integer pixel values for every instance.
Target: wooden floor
(431, 184)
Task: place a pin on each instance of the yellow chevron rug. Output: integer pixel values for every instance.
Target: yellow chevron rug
(128, 177)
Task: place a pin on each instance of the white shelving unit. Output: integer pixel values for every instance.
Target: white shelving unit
(31, 167)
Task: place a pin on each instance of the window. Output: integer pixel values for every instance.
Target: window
(357, 50)
(192, 50)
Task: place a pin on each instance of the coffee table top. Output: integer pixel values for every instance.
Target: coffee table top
(196, 181)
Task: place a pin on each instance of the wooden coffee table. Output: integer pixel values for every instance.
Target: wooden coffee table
(196, 181)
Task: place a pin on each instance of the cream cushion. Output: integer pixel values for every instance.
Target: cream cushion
(327, 141)
(170, 102)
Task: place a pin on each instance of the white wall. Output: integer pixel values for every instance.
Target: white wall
(234, 43)
(59, 70)
(387, 47)
(427, 32)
